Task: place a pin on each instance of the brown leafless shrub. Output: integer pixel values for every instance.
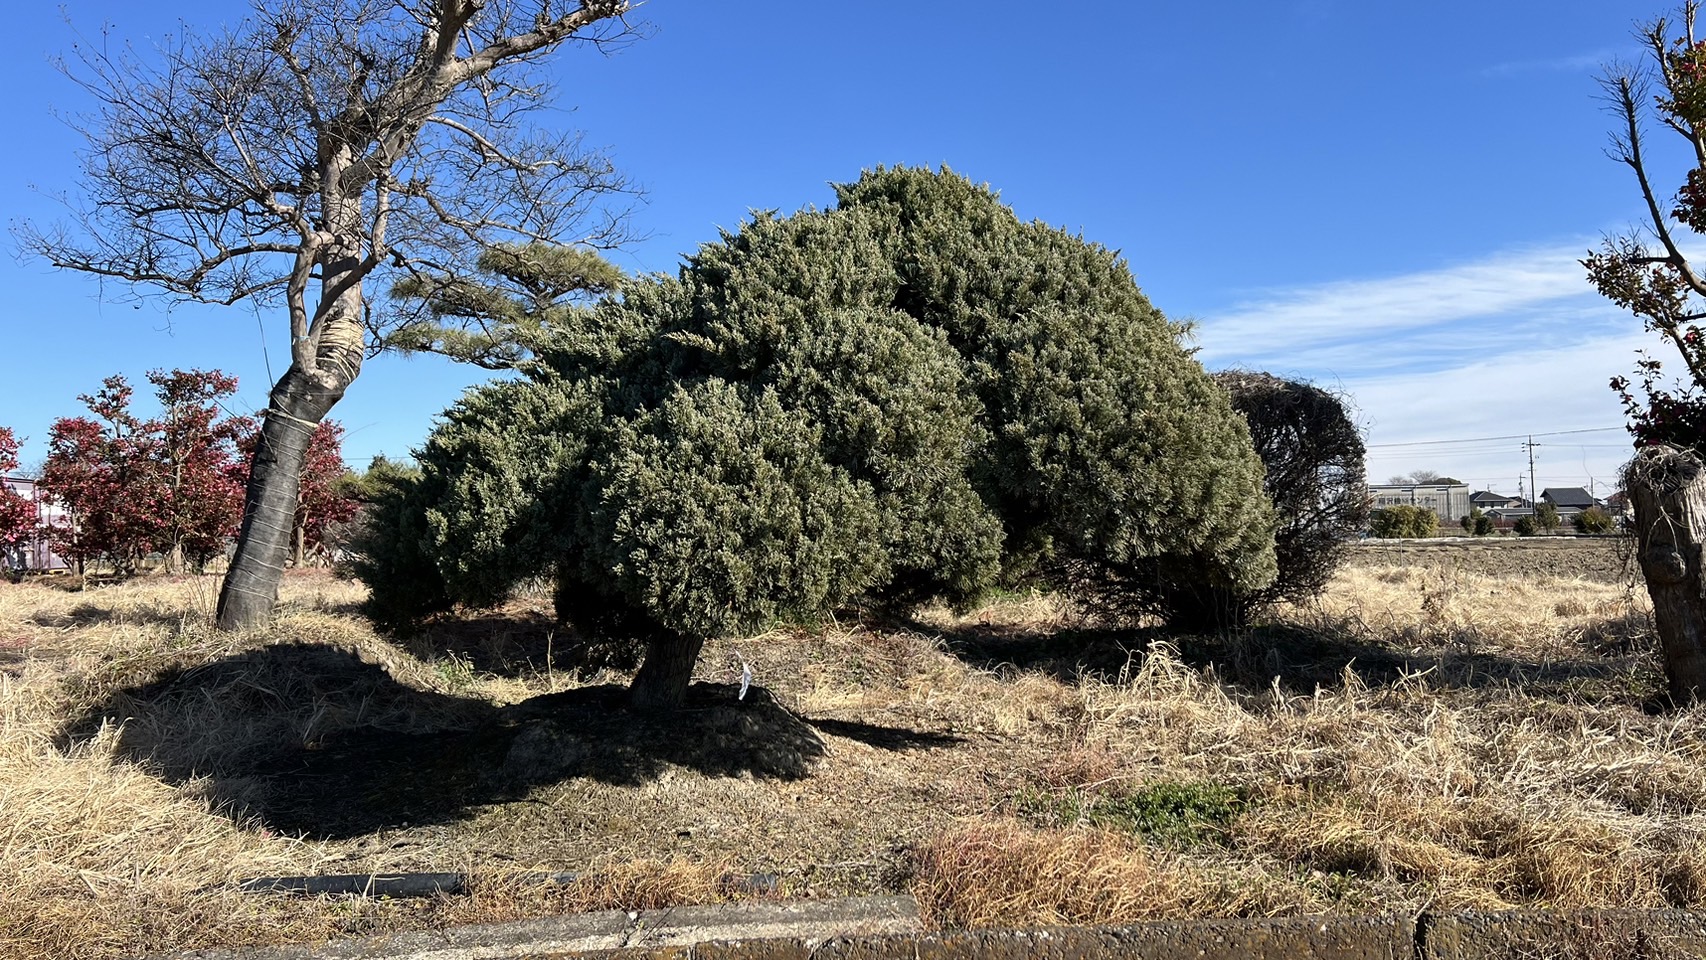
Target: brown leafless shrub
(1315, 478)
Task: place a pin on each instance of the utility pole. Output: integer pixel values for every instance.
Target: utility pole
(1533, 491)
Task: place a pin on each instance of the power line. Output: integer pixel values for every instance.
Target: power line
(1514, 436)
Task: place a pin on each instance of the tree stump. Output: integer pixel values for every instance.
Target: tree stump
(1667, 487)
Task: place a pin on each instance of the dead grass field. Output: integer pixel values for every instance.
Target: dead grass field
(1419, 738)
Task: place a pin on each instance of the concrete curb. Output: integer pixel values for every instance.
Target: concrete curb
(888, 928)
(1593, 933)
(675, 927)
(1350, 938)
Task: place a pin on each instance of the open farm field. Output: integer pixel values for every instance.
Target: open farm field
(1603, 559)
(1423, 735)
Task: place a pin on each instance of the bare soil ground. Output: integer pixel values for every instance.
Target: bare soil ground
(1421, 735)
(1605, 559)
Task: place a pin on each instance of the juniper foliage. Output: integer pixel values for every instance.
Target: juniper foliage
(896, 399)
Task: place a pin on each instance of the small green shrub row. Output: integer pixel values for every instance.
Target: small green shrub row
(1403, 520)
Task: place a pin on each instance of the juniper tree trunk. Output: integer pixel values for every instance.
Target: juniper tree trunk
(661, 683)
(1667, 487)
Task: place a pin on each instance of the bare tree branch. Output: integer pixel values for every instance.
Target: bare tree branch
(215, 153)
(315, 147)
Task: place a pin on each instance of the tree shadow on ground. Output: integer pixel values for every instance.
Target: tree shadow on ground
(1304, 659)
(94, 614)
(311, 740)
(894, 739)
(518, 643)
(1301, 660)
(337, 608)
(12, 658)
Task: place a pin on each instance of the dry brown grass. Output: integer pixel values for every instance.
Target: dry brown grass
(997, 872)
(643, 884)
(1416, 737)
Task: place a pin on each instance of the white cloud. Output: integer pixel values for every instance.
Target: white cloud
(1576, 63)
(1514, 344)
(1357, 314)
(1543, 392)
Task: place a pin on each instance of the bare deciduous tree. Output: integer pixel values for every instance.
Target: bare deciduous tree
(1646, 272)
(1315, 475)
(1421, 478)
(318, 147)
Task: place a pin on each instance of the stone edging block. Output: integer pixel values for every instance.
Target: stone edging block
(888, 928)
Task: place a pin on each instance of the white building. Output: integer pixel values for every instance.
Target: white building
(34, 554)
(1448, 501)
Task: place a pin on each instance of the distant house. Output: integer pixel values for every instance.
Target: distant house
(1569, 500)
(1508, 516)
(1448, 501)
(1487, 500)
(1618, 505)
(34, 554)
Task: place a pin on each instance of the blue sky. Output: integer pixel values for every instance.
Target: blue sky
(1387, 199)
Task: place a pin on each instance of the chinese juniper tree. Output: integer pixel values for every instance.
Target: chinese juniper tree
(906, 396)
(315, 147)
(1647, 273)
(1403, 521)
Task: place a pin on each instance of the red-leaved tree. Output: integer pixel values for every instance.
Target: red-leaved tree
(323, 501)
(17, 512)
(130, 487)
(1648, 272)
(91, 462)
(197, 481)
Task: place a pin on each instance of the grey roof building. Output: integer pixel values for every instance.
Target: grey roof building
(1569, 499)
(1488, 500)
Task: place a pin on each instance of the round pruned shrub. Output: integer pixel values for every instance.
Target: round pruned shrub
(1403, 521)
(905, 397)
(1476, 523)
(1593, 520)
(393, 550)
